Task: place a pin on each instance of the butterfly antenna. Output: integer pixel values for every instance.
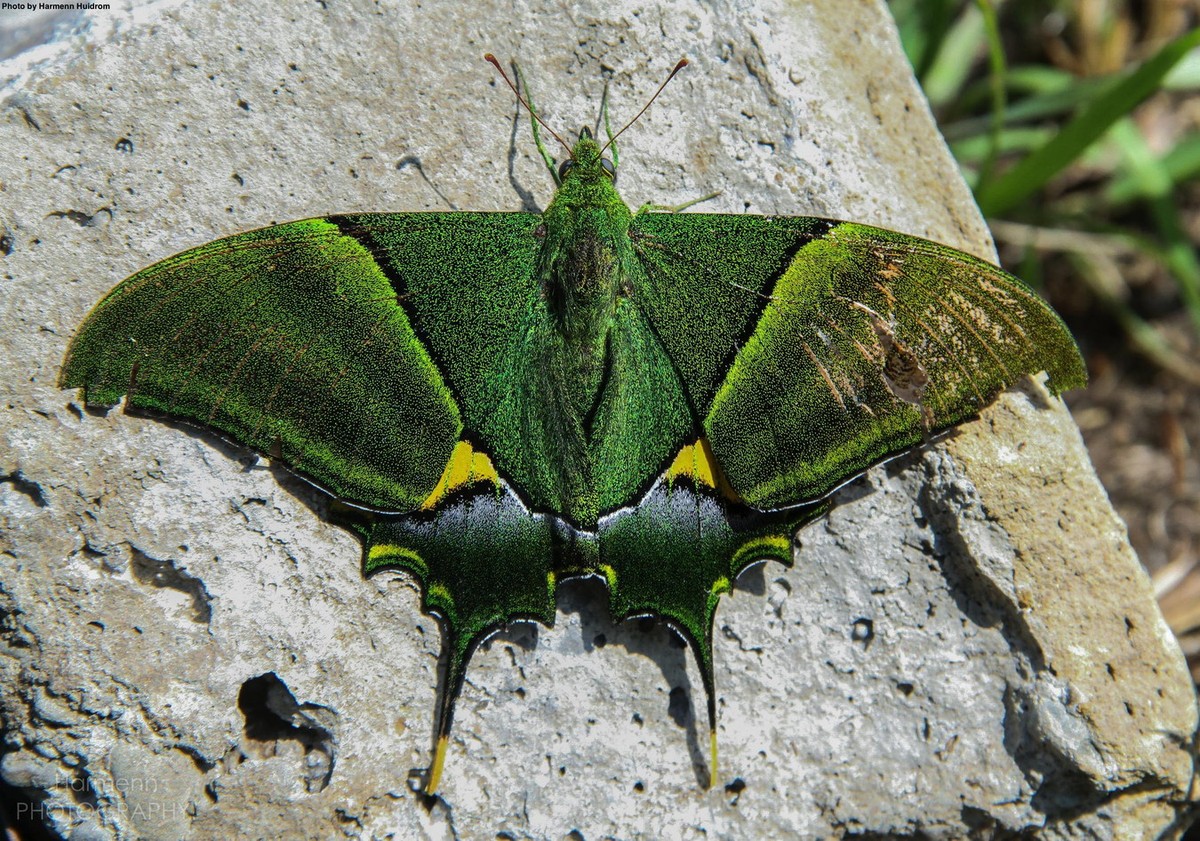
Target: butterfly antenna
(683, 62)
(521, 99)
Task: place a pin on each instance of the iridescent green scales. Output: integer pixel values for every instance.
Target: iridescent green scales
(506, 400)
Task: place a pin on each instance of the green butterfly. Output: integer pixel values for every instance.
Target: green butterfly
(505, 400)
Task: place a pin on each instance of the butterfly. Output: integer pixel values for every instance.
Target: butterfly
(500, 401)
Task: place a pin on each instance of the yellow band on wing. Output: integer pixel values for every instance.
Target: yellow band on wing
(465, 467)
(777, 547)
(439, 761)
(610, 576)
(387, 553)
(697, 462)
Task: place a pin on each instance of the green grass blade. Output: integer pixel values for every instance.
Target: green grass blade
(950, 68)
(1181, 163)
(923, 26)
(1184, 76)
(1017, 140)
(1049, 94)
(997, 67)
(1031, 173)
(1179, 253)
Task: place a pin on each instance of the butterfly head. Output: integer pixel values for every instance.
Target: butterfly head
(587, 162)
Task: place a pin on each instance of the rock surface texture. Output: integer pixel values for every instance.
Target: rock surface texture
(965, 647)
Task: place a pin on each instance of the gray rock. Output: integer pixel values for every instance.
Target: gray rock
(22, 769)
(966, 646)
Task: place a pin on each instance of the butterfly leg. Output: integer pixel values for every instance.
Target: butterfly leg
(650, 207)
(551, 164)
(612, 142)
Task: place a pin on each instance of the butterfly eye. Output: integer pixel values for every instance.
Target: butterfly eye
(565, 167)
(609, 169)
